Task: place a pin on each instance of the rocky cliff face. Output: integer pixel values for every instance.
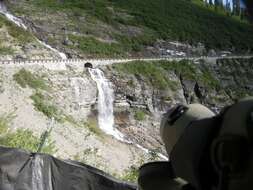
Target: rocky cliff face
(143, 91)
(32, 95)
(140, 100)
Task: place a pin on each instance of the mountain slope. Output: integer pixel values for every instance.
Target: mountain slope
(127, 27)
(31, 95)
(15, 42)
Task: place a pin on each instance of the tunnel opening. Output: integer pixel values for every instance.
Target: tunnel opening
(88, 65)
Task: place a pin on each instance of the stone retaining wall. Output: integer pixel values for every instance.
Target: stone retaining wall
(62, 64)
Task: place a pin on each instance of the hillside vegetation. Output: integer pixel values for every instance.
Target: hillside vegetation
(11, 34)
(157, 73)
(18, 43)
(211, 83)
(115, 27)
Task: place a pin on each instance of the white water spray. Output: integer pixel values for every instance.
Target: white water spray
(20, 23)
(62, 55)
(105, 104)
(105, 109)
(10, 17)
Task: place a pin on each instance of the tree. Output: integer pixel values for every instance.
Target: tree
(218, 3)
(236, 7)
(228, 7)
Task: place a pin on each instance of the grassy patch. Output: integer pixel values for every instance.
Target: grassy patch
(92, 125)
(209, 80)
(185, 21)
(26, 140)
(131, 174)
(157, 73)
(151, 71)
(18, 33)
(6, 50)
(181, 20)
(4, 124)
(25, 78)
(46, 144)
(43, 105)
(22, 138)
(131, 83)
(189, 71)
(139, 115)
(93, 47)
(70, 119)
(185, 68)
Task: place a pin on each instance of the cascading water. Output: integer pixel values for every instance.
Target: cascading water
(20, 23)
(105, 104)
(62, 55)
(105, 108)
(17, 21)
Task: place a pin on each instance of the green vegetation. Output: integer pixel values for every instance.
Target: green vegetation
(95, 47)
(92, 125)
(157, 72)
(131, 174)
(208, 79)
(240, 70)
(92, 46)
(154, 74)
(130, 83)
(18, 33)
(22, 138)
(180, 20)
(188, 70)
(4, 122)
(42, 105)
(25, 78)
(153, 155)
(26, 140)
(70, 119)
(6, 50)
(185, 21)
(139, 115)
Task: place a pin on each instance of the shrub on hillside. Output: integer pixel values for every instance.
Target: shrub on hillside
(25, 78)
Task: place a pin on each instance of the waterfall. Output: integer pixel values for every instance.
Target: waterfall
(10, 17)
(20, 23)
(62, 55)
(105, 104)
(105, 109)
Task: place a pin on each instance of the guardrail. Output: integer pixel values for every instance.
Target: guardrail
(62, 63)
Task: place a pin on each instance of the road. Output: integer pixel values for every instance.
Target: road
(61, 64)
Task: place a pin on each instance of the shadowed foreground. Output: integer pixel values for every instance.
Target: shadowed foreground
(29, 171)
